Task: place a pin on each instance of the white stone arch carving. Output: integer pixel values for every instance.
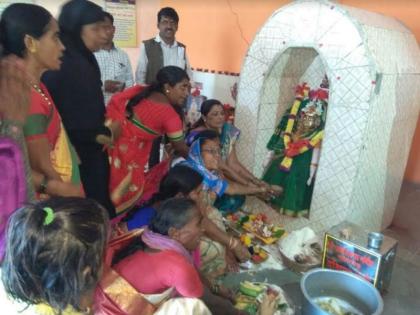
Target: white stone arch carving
(372, 62)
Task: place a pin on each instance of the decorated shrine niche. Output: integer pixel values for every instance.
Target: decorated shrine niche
(373, 66)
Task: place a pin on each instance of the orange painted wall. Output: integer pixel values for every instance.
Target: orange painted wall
(218, 32)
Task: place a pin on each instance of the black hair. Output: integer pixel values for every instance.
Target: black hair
(207, 105)
(168, 12)
(167, 75)
(73, 16)
(77, 13)
(173, 212)
(22, 19)
(109, 16)
(205, 135)
(180, 179)
(205, 108)
(55, 263)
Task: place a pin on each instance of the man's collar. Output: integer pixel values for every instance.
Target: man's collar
(158, 39)
(112, 47)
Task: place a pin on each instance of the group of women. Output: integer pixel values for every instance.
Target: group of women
(62, 254)
(59, 129)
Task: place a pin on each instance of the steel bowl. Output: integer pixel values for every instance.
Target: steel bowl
(350, 288)
(375, 240)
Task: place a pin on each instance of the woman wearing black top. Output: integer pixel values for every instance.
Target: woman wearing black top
(77, 92)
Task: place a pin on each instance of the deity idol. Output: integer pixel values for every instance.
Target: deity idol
(295, 149)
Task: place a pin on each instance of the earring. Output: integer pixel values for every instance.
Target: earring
(167, 91)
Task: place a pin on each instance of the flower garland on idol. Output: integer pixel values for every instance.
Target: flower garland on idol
(291, 148)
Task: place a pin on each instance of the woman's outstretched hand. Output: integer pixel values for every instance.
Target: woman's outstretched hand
(240, 251)
(270, 191)
(275, 190)
(268, 305)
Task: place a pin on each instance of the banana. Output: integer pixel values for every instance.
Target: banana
(251, 289)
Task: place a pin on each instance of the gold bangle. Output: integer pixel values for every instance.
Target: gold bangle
(230, 242)
(233, 243)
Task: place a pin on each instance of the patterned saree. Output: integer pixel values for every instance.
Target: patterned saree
(115, 295)
(130, 153)
(45, 121)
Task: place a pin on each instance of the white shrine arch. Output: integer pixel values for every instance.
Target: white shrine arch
(373, 64)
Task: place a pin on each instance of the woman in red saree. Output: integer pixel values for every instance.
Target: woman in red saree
(115, 295)
(146, 268)
(137, 116)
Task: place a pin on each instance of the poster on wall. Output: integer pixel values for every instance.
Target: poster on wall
(124, 13)
(5, 3)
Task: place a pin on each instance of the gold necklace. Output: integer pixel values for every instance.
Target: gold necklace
(39, 90)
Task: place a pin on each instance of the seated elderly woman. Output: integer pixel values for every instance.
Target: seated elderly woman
(227, 195)
(219, 251)
(159, 260)
(213, 118)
